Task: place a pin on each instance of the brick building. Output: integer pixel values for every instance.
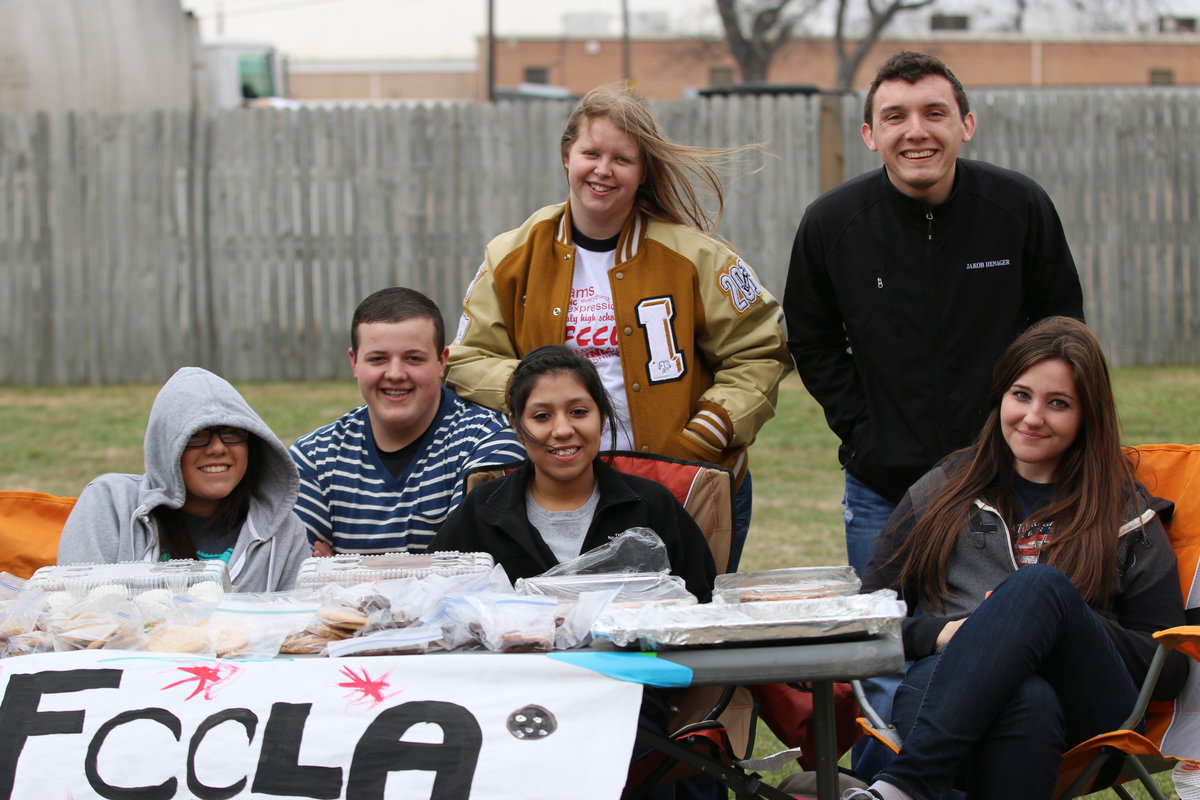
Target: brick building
(667, 68)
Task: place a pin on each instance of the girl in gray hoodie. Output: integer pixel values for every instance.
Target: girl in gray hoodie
(218, 484)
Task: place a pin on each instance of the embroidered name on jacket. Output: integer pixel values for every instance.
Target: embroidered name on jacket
(739, 283)
(1000, 262)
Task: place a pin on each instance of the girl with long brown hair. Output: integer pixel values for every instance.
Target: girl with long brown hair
(1036, 570)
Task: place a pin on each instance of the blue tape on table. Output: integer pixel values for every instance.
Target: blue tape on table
(642, 668)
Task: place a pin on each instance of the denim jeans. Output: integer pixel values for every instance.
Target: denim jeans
(865, 513)
(743, 502)
(1031, 673)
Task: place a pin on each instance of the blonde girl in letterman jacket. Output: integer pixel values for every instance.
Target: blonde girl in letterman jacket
(688, 341)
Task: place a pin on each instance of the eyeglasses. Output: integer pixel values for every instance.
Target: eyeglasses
(202, 437)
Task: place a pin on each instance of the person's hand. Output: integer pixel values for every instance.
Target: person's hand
(321, 550)
(952, 627)
(948, 631)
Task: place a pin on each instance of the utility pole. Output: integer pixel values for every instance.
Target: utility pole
(491, 51)
(626, 64)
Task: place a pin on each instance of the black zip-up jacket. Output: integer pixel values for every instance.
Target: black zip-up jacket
(492, 519)
(897, 310)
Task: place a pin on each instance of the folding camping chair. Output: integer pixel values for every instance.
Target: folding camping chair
(1171, 471)
(30, 524)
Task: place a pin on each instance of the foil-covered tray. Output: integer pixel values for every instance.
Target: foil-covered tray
(656, 628)
(788, 583)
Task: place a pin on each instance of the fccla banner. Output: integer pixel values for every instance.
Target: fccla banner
(115, 724)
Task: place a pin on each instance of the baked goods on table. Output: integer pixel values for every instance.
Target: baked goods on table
(418, 604)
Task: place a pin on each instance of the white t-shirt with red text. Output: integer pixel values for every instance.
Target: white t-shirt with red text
(592, 332)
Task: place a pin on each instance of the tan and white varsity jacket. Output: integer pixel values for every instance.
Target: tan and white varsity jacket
(701, 344)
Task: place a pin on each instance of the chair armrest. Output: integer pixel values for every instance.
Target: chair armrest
(1185, 639)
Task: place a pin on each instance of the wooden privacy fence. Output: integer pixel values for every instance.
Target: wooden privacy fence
(133, 244)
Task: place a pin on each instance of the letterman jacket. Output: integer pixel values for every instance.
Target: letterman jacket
(897, 310)
(1145, 594)
(701, 345)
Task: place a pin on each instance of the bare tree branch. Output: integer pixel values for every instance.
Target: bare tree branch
(881, 15)
(771, 25)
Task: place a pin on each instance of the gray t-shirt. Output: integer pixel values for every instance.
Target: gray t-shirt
(562, 531)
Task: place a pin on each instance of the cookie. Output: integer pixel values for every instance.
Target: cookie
(178, 639)
(228, 641)
(303, 643)
(347, 619)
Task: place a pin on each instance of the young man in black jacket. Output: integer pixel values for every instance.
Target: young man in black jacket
(906, 284)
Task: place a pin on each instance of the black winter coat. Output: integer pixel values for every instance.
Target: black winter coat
(897, 310)
(492, 519)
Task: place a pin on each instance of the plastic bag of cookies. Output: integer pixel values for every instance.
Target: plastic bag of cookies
(255, 624)
(99, 621)
(505, 622)
(412, 640)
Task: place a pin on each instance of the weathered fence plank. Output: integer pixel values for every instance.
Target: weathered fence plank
(242, 240)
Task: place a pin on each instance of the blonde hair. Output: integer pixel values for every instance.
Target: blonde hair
(667, 192)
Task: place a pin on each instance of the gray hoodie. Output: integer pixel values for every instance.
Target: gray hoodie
(112, 522)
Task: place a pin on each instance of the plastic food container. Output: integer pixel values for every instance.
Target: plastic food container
(790, 583)
(348, 570)
(629, 587)
(131, 578)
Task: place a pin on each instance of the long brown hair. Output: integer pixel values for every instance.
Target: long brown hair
(667, 192)
(1092, 484)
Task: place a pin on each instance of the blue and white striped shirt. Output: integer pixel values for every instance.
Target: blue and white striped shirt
(349, 499)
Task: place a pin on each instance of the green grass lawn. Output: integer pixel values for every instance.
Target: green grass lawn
(56, 439)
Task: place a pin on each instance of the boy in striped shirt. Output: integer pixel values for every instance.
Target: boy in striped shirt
(383, 477)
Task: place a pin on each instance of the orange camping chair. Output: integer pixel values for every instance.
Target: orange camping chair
(30, 524)
(1172, 729)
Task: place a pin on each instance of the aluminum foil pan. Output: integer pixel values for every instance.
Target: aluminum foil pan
(789, 583)
(656, 628)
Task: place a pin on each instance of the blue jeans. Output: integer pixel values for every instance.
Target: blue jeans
(743, 502)
(864, 512)
(1031, 673)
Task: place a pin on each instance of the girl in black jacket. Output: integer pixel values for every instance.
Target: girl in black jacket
(565, 500)
(1039, 570)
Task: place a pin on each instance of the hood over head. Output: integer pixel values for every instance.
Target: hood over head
(193, 399)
